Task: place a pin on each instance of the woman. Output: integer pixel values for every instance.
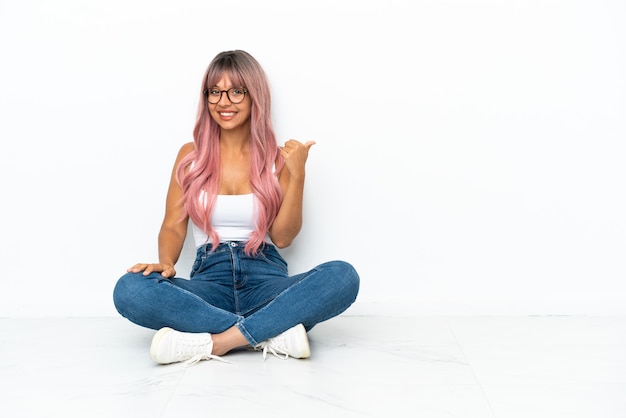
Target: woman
(242, 194)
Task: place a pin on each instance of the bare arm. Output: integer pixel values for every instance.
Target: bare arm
(173, 228)
(288, 221)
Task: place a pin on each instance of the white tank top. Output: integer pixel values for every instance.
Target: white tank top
(233, 219)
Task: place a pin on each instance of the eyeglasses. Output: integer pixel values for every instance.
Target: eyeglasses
(235, 95)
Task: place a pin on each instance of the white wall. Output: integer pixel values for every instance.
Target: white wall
(469, 155)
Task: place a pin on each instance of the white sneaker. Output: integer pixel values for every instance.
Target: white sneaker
(291, 343)
(171, 346)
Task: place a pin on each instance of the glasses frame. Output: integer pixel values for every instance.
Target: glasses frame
(206, 94)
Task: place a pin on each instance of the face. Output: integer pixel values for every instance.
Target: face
(229, 115)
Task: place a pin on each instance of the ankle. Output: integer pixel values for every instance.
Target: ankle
(228, 340)
(219, 349)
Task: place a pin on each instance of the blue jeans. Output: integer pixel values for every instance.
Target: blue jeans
(228, 287)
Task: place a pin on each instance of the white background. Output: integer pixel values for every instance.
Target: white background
(469, 158)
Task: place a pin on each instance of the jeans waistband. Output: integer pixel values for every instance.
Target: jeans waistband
(223, 245)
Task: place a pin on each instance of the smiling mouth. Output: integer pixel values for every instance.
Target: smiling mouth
(227, 114)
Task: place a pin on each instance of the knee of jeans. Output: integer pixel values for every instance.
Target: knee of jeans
(347, 275)
(124, 291)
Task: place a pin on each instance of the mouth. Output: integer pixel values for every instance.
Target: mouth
(227, 114)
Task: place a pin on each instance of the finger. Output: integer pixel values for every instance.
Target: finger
(136, 268)
(170, 272)
(292, 143)
(309, 144)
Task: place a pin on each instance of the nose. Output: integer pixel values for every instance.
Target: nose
(224, 97)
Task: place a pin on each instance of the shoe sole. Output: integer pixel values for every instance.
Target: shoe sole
(306, 349)
(155, 343)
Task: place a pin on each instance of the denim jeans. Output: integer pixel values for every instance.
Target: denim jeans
(227, 287)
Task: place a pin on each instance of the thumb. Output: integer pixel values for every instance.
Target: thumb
(309, 144)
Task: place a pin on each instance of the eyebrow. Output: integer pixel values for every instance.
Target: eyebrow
(228, 88)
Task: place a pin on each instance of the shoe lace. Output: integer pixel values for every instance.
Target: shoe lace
(187, 350)
(275, 346)
(198, 357)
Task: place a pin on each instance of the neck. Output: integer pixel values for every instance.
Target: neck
(234, 145)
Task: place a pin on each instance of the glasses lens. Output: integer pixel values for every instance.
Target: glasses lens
(236, 95)
(214, 96)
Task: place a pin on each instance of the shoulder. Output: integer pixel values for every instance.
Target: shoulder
(185, 150)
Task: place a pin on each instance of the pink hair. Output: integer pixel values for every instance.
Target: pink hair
(203, 175)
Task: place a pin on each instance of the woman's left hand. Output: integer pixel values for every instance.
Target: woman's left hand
(295, 154)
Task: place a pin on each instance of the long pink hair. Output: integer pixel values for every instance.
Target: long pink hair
(266, 161)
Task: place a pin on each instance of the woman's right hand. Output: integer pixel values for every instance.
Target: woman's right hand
(166, 270)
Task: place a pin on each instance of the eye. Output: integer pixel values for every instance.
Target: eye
(236, 92)
(214, 92)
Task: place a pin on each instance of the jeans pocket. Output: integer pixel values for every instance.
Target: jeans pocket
(274, 259)
(197, 265)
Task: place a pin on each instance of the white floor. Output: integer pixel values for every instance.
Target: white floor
(527, 367)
